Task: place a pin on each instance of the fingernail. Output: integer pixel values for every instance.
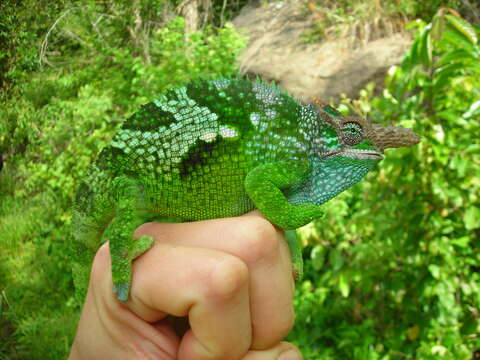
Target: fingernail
(289, 355)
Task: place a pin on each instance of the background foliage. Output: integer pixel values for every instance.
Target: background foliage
(392, 269)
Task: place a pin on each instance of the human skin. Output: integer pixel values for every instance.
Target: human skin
(231, 277)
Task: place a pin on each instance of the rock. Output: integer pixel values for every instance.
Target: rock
(324, 69)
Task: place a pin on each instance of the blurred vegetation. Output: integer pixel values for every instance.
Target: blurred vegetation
(392, 271)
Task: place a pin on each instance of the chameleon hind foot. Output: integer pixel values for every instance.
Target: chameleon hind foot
(295, 253)
(122, 259)
(121, 291)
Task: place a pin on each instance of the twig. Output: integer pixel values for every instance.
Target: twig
(96, 22)
(224, 6)
(43, 47)
(75, 37)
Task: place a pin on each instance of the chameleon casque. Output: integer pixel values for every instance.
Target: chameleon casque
(220, 148)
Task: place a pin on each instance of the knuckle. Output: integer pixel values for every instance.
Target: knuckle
(260, 241)
(228, 278)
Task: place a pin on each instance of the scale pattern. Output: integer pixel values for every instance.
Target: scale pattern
(192, 147)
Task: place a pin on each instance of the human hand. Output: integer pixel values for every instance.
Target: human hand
(231, 277)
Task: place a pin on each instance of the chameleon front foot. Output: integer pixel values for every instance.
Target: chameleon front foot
(264, 186)
(296, 216)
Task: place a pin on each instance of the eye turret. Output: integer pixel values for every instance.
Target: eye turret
(352, 133)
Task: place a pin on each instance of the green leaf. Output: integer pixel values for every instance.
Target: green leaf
(463, 27)
(472, 218)
(411, 59)
(425, 49)
(434, 270)
(473, 110)
(461, 241)
(444, 75)
(457, 40)
(448, 70)
(318, 256)
(336, 259)
(439, 350)
(343, 285)
(448, 115)
(438, 24)
(459, 55)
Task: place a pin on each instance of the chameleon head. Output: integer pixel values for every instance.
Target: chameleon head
(358, 138)
(345, 151)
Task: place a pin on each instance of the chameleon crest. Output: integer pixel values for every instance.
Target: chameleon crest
(219, 148)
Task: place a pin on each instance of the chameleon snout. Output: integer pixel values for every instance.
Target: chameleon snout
(392, 137)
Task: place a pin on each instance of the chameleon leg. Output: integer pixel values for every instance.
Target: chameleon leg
(296, 253)
(123, 247)
(263, 185)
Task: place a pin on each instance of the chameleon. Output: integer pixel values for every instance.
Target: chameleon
(220, 148)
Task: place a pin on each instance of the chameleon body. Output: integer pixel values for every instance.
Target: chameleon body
(220, 148)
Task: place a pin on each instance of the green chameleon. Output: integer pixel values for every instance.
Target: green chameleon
(220, 148)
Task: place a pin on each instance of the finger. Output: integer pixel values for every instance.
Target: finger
(282, 351)
(208, 286)
(262, 247)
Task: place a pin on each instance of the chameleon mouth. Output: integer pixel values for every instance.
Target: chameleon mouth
(354, 153)
(363, 154)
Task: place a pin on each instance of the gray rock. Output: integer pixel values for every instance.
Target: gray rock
(324, 69)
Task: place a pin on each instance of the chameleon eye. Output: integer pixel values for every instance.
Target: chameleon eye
(352, 133)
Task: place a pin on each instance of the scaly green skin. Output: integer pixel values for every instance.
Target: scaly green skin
(218, 148)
